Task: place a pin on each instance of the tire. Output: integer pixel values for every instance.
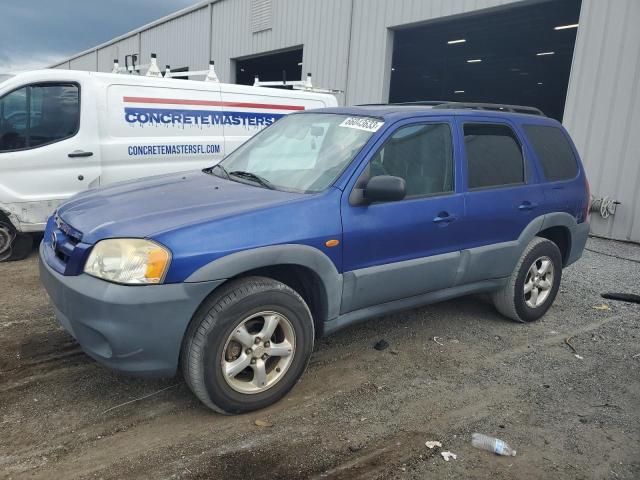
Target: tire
(13, 244)
(513, 301)
(213, 343)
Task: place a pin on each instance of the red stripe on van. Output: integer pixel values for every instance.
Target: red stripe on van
(211, 103)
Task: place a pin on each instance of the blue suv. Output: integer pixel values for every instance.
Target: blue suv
(324, 219)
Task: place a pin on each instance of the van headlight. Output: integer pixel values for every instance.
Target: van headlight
(130, 261)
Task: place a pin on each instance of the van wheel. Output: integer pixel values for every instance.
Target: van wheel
(13, 245)
(534, 283)
(247, 345)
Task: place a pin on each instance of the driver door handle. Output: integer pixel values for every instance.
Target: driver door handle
(527, 205)
(444, 217)
(80, 153)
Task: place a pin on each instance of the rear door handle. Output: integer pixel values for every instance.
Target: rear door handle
(444, 217)
(527, 205)
(80, 153)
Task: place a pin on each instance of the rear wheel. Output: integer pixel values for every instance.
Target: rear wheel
(247, 345)
(13, 245)
(534, 283)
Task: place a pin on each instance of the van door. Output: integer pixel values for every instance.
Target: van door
(247, 110)
(48, 148)
(153, 130)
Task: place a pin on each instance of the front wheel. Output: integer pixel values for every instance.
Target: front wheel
(534, 283)
(247, 345)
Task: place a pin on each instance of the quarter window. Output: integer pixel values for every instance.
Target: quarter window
(494, 156)
(422, 155)
(37, 115)
(554, 152)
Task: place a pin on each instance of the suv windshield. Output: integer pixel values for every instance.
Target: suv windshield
(300, 153)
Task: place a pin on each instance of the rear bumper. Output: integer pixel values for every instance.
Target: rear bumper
(579, 235)
(133, 329)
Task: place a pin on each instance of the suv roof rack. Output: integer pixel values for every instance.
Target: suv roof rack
(496, 107)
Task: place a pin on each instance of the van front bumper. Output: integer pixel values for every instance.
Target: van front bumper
(133, 329)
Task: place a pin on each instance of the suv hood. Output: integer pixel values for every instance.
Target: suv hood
(147, 207)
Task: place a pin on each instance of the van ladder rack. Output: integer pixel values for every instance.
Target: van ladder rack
(210, 75)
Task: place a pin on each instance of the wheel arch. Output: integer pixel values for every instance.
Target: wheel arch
(558, 227)
(305, 269)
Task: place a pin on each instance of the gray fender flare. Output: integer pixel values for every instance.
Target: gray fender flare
(237, 263)
(537, 225)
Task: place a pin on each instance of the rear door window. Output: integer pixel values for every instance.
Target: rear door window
(37, 115)
(554, 152)
(494, 156)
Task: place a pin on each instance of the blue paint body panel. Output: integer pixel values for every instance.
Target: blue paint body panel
(202, 219)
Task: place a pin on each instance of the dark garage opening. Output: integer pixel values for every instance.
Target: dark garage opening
(270, 67)
(516, 55)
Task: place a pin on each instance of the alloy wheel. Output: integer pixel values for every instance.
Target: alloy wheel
(538, 282)
(258, 352)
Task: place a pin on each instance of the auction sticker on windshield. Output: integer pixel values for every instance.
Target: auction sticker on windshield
(362, 123)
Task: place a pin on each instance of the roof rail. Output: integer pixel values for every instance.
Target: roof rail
(496, 107)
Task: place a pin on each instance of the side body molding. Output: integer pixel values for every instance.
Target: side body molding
(287, 254)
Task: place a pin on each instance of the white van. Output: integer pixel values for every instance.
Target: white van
(64, 131)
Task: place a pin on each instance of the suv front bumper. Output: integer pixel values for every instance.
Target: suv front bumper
(133, 329)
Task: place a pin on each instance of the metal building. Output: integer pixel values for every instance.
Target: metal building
(507, 51)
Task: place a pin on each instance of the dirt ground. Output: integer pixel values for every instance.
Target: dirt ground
(357, 412)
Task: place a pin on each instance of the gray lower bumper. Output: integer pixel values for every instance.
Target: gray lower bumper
(579, 235)
(133, 329)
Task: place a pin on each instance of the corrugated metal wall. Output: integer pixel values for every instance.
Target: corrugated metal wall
(322, 27)
(602, 112)
(84, 62)
(180, 42)
(119, 49)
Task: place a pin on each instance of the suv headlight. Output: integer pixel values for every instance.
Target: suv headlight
(131, 261)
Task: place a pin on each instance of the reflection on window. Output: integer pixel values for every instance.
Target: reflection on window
(494, 156)
(422, 155)
(38, 115)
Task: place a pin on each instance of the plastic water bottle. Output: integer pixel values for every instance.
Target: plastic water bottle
(492, 444)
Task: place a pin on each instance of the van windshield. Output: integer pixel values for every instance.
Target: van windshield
(299, 153)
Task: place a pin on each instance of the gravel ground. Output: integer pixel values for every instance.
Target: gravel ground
(357, 412)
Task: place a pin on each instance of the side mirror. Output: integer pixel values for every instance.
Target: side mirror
(385, 188)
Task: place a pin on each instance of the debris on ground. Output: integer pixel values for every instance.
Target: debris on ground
(381, 344)
(492, 444)
(623, 297)
(567, 341)
(140, 398)
(437, 340)
(263, 423)
(448, 455)
(433, 444)
(603, 306)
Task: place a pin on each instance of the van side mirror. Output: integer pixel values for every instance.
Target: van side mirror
(385, 188)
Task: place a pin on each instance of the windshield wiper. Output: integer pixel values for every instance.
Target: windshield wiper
(210, 170)
(253, 177)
